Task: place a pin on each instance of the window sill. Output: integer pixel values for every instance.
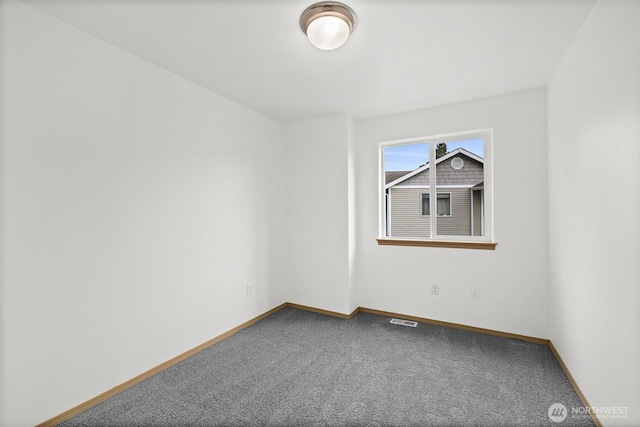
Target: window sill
(438, 244)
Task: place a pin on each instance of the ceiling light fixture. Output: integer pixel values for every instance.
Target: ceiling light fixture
(328, 24)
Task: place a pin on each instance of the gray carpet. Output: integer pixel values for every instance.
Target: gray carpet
(297, 368)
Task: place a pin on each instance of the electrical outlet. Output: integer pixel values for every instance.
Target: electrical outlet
(435, 289)
(249, 290)
(475, 294)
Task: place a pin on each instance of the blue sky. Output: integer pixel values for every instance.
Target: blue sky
(409, 157)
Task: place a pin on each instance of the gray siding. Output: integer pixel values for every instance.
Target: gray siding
(420, 179)
(407, 222)
(472, 172)
(459, 223)
(405, 218)
(477, 213)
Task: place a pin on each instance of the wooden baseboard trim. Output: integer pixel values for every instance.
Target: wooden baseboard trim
(456, 326)
(419, 319)
(573, 382)
(122, 387)
(322, 311)
(151, 372)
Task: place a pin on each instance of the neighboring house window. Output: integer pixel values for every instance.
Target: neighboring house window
(443, 205)
(425, 204)
(460, 166)
(457, 163)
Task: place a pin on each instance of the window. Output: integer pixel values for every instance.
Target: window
(460, 167)
(443, 205)
(425, 210)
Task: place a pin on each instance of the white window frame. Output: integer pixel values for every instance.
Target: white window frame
(433, 140)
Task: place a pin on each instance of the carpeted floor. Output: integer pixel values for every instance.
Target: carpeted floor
(297, 368)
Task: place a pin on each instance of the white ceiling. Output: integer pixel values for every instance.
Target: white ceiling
(403, 55)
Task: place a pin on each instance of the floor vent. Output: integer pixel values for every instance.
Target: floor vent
(404, 322)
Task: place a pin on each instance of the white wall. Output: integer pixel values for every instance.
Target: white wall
(137, 208)
(594, 193)
(318, 213)
(512, 280)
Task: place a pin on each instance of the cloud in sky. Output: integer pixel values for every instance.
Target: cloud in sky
(406, 157)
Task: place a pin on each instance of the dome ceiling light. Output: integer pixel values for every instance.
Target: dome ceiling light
(328, 24)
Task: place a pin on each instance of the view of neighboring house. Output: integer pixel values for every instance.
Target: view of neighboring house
(460, 198)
